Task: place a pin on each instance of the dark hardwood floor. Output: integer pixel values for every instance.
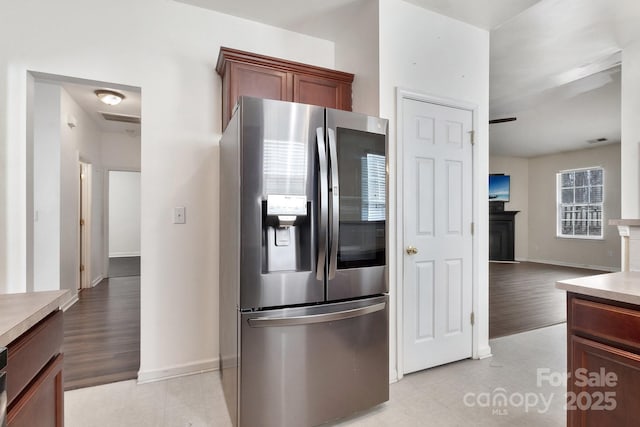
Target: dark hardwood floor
(124, 266)
(522, 296)
(102, 330)
(102, 334)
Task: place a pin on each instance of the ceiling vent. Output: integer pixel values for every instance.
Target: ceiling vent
(597, 140)
(124, 118)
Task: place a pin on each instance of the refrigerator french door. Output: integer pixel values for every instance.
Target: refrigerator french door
(303, 303)
(357, 176)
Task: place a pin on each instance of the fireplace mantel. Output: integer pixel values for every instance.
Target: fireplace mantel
(629, 230)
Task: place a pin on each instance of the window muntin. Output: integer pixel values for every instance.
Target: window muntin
(580, 203)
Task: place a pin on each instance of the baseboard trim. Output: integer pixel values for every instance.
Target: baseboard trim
(184, 370)
(484, 352)
(123, 254)
(97, 280)
(72, 300)
(393, 376)
(574, 265)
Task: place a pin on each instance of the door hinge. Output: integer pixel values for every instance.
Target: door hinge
(473, 136)
(473, 318)
(473, 228)
(81, 267)
(81, 222)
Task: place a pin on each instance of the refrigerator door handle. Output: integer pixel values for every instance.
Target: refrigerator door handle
(324, 204)
(335, 205)
(265, 322)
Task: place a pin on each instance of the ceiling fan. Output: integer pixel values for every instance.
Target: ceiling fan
(503, 120)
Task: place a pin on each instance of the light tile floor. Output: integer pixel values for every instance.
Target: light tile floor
(458, 394)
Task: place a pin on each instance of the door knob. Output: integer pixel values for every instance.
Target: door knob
(411, 250)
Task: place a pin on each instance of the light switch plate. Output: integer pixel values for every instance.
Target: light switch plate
(179, 215)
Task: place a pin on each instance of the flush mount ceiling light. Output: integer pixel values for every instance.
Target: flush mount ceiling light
(109, 97)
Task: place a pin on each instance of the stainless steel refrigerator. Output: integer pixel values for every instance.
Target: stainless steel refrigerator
(304, 323)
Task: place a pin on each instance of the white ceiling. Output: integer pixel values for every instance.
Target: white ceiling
(570, 120)
(547, 60)
(318, 18)
(485, 14)
(85, 97)
(82, 91)
(547, 63)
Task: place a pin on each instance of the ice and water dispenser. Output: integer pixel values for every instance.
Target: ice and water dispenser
(286, 227)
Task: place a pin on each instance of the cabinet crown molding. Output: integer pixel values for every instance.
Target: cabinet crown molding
(234, 55)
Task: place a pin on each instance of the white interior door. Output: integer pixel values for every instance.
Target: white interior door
(437, 205)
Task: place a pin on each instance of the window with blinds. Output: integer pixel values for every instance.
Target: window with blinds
(373, 187)
(580, 194)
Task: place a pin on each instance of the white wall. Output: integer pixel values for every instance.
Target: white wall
(46, 187)
(357, 53)
(518, 169)
(630, 151)
(56, 151)
(168, 49)
(6, 153)
(544, 246)
(77, 143)
(124, 214)
(432, 54)
(120, 151)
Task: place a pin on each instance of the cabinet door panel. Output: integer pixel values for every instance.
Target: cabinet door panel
(322, 92)
(592, 405)
(31, 352)
(41, 405)
(260, 82)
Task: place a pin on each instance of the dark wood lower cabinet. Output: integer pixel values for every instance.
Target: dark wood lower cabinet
(42, 404)
(603, 363)
(35, 388)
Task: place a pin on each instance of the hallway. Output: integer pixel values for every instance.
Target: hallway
(102, 334)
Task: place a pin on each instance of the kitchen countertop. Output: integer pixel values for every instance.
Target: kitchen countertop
(627, 222)
(623, 286)
(19, 312)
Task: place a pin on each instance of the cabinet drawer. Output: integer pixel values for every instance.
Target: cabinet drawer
(611, 323)
(31, 352)
(42, 405)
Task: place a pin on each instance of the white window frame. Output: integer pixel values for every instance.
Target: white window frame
(559, 205)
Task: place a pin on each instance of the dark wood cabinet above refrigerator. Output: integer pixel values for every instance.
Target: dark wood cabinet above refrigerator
(246, 73)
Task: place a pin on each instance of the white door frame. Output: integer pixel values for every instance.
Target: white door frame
(85, 212)
(402, 94)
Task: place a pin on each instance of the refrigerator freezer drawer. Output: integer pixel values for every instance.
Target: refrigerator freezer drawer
(306, 366)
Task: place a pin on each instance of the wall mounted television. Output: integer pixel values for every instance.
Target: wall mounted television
(499, 187)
